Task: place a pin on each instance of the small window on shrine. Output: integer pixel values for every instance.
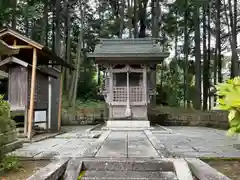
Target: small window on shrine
(120, 79)
(135, 79)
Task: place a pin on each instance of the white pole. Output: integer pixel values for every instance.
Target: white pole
(128, 110)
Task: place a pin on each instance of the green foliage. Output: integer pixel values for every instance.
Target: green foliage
(80, 104)
(9, 163)
(228, 94)
(6, 123)
(171, 87)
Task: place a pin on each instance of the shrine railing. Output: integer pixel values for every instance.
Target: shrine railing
(135, 94)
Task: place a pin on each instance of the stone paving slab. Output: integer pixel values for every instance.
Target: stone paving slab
(140, 146)
(198, 142)
(114, 146)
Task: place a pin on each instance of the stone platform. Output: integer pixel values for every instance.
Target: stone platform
(160, 142)
(127, 125)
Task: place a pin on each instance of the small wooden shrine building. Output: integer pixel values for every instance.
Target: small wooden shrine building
(129, 67)
(33, 82)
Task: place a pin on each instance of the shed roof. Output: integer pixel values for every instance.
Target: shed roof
(44, 53)
(121, 48)
(13, 60)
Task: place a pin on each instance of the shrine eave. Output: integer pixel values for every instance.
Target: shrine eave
(128, 55)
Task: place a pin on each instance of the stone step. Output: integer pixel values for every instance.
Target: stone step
(128, 165)
(130, 175)
(126, 128)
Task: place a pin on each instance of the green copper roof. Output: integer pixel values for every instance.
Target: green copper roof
(140, 47)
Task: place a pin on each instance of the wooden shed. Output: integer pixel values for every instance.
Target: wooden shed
(33, 81)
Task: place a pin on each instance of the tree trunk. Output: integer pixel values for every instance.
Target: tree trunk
(58, 28)
(44, 29)
(218, 41)
(227, 20)
(14, 7)
(142, 17)
(135, 18)
(233, 24)
(121, 18)
(130, 17)
(79, 53)
(68, 45)
(197, 58)
(26, 21)
(53, 26)
(209, 53)
(205, 62)
(186, 46)
(155, 17)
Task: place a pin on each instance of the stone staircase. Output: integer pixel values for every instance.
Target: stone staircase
(130, 175)
(131, 170)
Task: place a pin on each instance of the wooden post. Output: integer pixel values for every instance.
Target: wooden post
(110, 88)
(145, 95)
(14, 43)
(60, 102)
(32, 93)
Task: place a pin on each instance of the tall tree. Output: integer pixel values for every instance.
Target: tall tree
(135, 18)
(205, 60)
(58, 27)
(130, 24)
(121, 18)
(197, 56)
(142, 17)
(233, 24)
(186, 46)
(218, 40)
(14, 13)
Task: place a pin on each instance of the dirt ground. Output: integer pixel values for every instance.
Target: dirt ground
(28, 168)
(229, 168)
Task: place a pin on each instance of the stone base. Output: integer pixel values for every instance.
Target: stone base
(127, 125)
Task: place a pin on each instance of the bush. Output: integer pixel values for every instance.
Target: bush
(228, 98)
(6, 124)
(9, 163)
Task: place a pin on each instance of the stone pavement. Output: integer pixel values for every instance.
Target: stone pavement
(177, 141)
(125, 144)
(198, 142)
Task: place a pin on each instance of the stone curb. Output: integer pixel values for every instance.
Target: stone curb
(182, 169)
(92, 128)
(162, 151)
(52, 171)
(202, 170)
(166, 129)
(93, 150)
(43, 138)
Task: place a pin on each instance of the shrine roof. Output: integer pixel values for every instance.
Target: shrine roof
(121, 48)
